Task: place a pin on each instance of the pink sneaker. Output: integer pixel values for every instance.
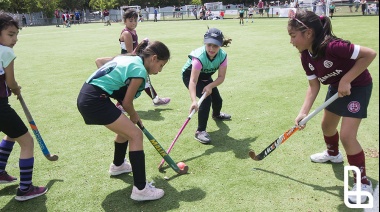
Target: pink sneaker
(6, 178)
(160, 101)
(32, 192)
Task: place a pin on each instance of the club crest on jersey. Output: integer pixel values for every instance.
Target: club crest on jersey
(311, 67)
(353, 106)
(327, 63)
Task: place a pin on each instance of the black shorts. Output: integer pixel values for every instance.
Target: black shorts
(10, 122)
(261, 11)
(241, 15)
(96, 106)
(354, 105)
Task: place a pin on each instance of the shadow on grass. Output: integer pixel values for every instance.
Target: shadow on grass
(37, 204)
(221, 142)
(338, 169)
(120, 200)
(153, 115)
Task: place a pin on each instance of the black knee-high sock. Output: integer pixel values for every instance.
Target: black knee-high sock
(137, 159)
(147, 90)
(119, 153)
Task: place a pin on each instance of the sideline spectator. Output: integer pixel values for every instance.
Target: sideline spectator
(315, 2)
(332, 9)
(77, 16)
(202, 13)
(364, 6)
(24, 21)
(287, 5)
(250, 13)
(106, 15)
(260, 5)
(351, 3)
(56, 14)
(267, 7)
(241, 16)
(178, 12)
(292, 4)
(221, 14)
(323, 6)
(155, 14)
(195, 13)
(66, 19)
(357, 5)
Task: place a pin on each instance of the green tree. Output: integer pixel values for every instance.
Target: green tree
(47, 7)
(196, 2)
(71, 4)
(5, 4)
(102, 4)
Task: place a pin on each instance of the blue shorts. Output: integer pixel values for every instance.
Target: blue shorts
(96, 106)
(354, 105)
(10, 122)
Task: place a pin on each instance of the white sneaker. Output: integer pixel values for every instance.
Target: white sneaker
(148, 193)
(324, 157)
(363, 198)
(123, 168)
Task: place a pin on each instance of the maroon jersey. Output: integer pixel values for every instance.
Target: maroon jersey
(339, 58)
(134, 40)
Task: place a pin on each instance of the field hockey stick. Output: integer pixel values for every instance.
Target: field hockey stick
(150, 87)
(290, 132)
(162, 152)
(182, 128)
(37, 134)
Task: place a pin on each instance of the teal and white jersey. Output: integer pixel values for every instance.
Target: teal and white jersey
(114, 77)
(209, 67)
(6, 57)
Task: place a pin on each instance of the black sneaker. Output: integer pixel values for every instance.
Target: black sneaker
(222, 117)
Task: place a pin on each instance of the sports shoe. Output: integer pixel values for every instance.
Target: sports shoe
(363, 198)
(148, 193)
(222, 117)
(32, 192)
(123, 168)
(120, 107)
(203, 137)
(6, 178)
(160, 101)
(324, 157)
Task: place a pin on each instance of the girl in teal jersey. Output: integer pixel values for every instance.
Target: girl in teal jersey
(196, 74)
(123, 78)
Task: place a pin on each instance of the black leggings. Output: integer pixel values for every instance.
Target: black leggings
(214, 100)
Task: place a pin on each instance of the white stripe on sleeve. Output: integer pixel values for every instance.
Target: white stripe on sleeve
(311, 77)
(355, 54)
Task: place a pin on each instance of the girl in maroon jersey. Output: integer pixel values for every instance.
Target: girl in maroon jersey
(342, 65)
(128, 42)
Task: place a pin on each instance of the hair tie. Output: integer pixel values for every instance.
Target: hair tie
(321, 17)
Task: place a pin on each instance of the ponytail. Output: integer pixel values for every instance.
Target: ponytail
(140, 47)
(146, 49)
(321, 26)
